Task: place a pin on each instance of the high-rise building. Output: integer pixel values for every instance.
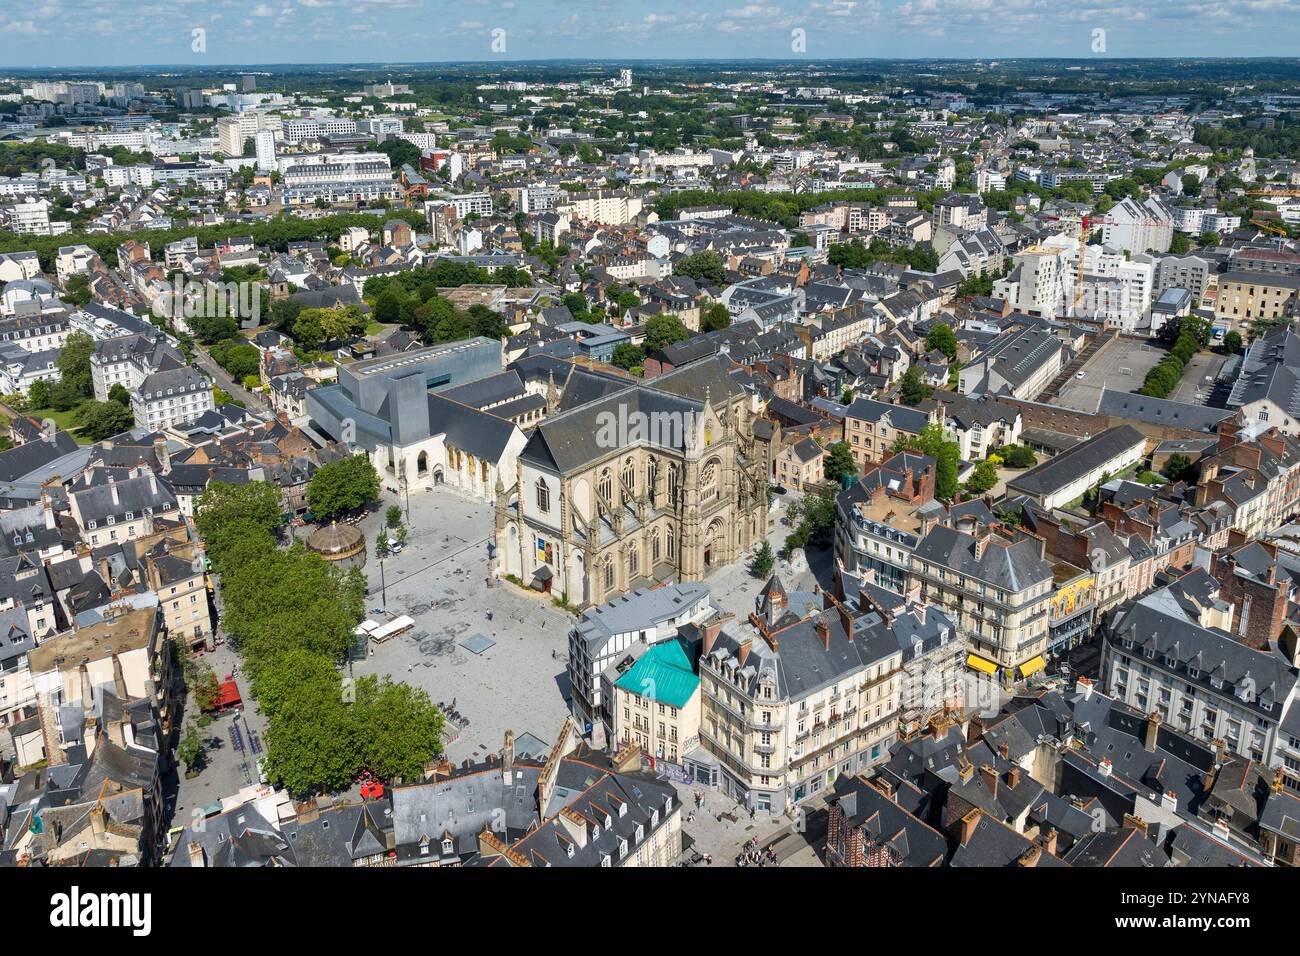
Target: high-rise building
(264, 142)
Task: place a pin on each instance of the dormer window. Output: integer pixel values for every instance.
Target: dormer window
(448, 846)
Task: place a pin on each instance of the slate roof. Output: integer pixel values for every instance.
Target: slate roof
(1011, 566)
(884, 822)
(1055, 473)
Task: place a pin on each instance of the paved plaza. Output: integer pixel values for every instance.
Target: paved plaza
(440, 580)
(517, 682)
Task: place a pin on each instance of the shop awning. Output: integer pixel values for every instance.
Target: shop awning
(1032, 666)
(980, 664)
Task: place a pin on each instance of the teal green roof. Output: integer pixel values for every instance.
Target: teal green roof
(662, 674)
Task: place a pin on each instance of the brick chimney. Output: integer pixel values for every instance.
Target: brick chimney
(1049, 841)
(743, 654)
(1137, 823)
(1154, 721)
(1013, 776)
(1030, 857)
(711, 632)
(968, 824)
(990, 778)
(824, 632)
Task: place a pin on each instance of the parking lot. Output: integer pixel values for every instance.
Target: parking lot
(1193, 387)
(1121, 365)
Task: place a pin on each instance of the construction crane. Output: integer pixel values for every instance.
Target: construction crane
(1085, 222)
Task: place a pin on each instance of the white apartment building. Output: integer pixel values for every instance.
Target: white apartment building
(608, 208)
(31, 218)
(316, 127)
(1139, 226)
(1036, 282)
(73, 260)
(233, 131)
(264, 146)
(169, 397)
(463, 204)
(344, 177)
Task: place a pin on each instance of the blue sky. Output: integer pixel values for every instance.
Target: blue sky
(130, 32)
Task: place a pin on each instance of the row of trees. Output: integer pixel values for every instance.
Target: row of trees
(1164, 377)
(276, 233)
(294, 618)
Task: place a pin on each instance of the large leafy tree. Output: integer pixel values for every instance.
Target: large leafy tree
(942, 338)
(914, 388)
(838, 462)
(398, 728)
(703, 267)
(257, 502)
(100, 420)
(715, 317)
(343, 486)
(74, 362)
(934, 441)
(311, 742)
(664, 330)
(286, 599)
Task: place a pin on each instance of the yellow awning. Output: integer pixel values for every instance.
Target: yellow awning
(980, 664)
(1032, 666)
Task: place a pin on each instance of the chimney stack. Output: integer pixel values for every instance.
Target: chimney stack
(990, 778)
(508, 758)
(1049, 841)
(824, 632)
(1013, 776)
(968, 824)
(1152, 730)
(1030, 857)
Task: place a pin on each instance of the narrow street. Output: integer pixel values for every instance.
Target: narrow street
(221, 378)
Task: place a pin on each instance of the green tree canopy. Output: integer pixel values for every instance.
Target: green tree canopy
(343, 486)
(936, 443)
(838, 462)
